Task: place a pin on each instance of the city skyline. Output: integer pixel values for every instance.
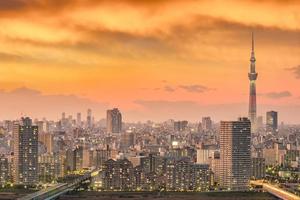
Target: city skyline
(139, 59)
(133, 99)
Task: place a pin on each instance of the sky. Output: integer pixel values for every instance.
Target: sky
(153, 59)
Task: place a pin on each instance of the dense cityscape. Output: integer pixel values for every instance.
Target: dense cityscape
(79, 152)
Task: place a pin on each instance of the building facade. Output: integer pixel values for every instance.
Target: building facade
(272, 122)
(258, 168)
(25, 152)
(114, 121)
(235, 154)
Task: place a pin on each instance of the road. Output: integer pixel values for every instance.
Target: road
(279, 192)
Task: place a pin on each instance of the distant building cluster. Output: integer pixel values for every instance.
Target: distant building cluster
(171, 156)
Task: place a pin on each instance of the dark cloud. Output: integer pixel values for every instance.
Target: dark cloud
(20, 57)
(11, 57)
(282, 3)
(12, 4)
(25, 91)
(34, 103)
(171, 45)
(189, 88)
(102, 42)
(168, 88)
(46, 4)
(277, 95)
(296, 71)
(195, 88)
(59, 5)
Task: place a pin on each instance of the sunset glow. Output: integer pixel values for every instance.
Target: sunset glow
(184, 58)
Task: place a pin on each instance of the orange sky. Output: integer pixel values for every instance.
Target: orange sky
(139, 55)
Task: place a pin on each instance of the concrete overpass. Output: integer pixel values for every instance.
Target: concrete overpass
(276, 191)
(55, 191)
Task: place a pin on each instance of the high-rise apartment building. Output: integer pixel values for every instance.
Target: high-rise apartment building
(63, 116)
(184, 175)
(118, 175)
(235, 154)
(70, 161)
(127, 140)
(259, 122)
(4, 170)
(258, 168)
(114, 121)
(89, 120)
(47, 140)
(203, 155)
(78, 119)
(180, 125)
(206, 123)
(43, 126)
(50, 167)
(102, 155)
(25, 152)
(272, 121)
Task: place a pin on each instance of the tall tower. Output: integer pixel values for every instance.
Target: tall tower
(252, 98)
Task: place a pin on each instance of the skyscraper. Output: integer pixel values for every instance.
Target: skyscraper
(235, 154)
(48, 140)
(206, 123)
(63, 116)
(272, 121)
(180, 125)
(252, 98)
(114, 121)
(89, 118)
(127, 140)
(25, 152)
(259, 122)
(78, 120)
(4, 170)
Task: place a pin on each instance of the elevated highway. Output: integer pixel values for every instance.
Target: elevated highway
(276, 191)
(55, 191)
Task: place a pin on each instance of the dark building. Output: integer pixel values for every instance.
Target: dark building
(118, 175)
(184, 175)
(139, 178)
(25, 152)
(127, 140)
(258, 168)
(89, 119)
(50, 166)
(102, 155)
(4, 170)
(272, 122)
(114, 121)
(206, 123)
(235, 154)
(70, 162)
(180, 125)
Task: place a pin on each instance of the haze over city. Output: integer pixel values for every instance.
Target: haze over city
(152, 59)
